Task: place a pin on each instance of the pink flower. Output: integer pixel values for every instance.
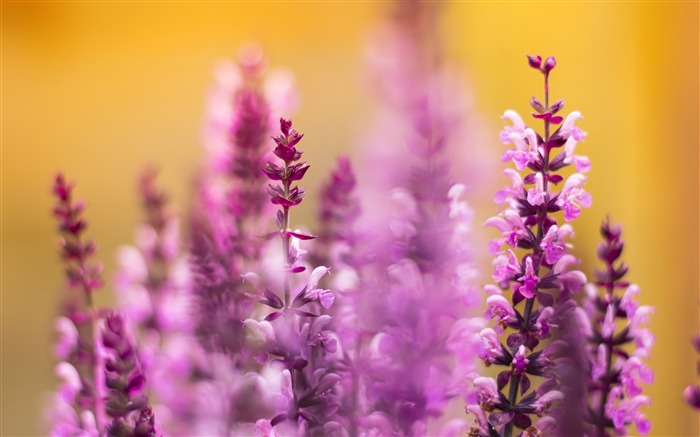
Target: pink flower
(505, 267)
(529, 280)
(625, 411)
(544, 322)
(553, 243)
(607, 328)
(67, 337)
(633, 372)
(71, 382)
(500, 307)
(568, 130)
(486, 390)
(263, 428)
(581, 163)
(573, 197)
(518, 126)
(520, 361)
(511, 226)
(513, 192)
(545, 401)
(492, 349)
(537, 195)
(628, 302)
(525, 151)
(572, 280)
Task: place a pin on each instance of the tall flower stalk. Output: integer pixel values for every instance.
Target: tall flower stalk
(232, 199)
(541, 279)
(225, 248)
(616, 372)
(301, 339)
(154, 295)
(101, 372)
(416, 277)
(79, 335)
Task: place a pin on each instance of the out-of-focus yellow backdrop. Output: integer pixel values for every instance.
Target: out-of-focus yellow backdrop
(99, 89)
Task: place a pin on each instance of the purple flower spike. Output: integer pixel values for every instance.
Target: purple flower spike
(533, 261)
(615, 384)
(81, 396)
(82, 274)
(297, 334)
(534, 61)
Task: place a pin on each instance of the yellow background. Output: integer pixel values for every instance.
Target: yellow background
(99, 89)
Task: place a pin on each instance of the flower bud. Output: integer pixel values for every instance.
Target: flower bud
(549, 64)
(534, 61)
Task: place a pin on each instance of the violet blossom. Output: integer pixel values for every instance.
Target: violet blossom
(301, 339)
(616, 374)
(534, 264)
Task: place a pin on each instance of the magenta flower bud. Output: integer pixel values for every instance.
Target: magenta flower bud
(520, 361)
(284, 152)
(534, 61)
(285, 126)
(549, 64)
(537, 105)
(557, 106)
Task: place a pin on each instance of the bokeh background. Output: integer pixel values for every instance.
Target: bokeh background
(97, 90)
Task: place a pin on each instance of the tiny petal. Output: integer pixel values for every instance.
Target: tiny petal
(326, 298)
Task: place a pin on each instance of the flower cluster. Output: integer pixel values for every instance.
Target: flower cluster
(541, 279)
(616, 372)
(230, 334)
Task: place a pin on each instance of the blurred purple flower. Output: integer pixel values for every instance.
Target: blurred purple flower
(615, 393)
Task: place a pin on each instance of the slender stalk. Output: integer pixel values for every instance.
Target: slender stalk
(605, 390)
(285, 242)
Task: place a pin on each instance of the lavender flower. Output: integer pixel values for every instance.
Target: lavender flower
(416, 277)
(338, 211)
(231, 205)
(302, 340)
(615, 374)
(153, 292)
(542, 278)
(100, 370)
(79, 407)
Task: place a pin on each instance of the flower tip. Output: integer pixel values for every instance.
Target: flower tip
(534, 61)
(285, 125)
(549, 64)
